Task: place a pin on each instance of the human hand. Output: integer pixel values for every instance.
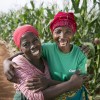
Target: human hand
(85, 49)
(8, 70)
(37, 83)
(76, 80)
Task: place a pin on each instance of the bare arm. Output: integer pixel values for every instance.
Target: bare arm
(53, 91)
(74, 83)
(8, 66)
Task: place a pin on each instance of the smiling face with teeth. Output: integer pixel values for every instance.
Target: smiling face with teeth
(63, 36)
(30, 46)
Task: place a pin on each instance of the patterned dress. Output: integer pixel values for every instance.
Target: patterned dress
(27, 71)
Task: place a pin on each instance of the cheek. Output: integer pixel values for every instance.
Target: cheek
(70, 37)
(55, 37)
(24, 50)
(39, 44)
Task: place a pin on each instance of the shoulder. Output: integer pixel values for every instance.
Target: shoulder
(19, 59)
(78, 51)
(48, 45)
(76, 48)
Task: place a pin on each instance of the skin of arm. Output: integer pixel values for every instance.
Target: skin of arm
(52, 92)
(56, 90)
(8, 67)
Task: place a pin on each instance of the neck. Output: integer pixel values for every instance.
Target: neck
(37, 62)
(34, 61)
(66, 49)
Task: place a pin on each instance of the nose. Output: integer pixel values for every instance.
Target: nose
(62, 35)
(32, 46)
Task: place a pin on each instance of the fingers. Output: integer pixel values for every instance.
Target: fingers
(33, 83)
(33, 86)
(86, 78)
(35, 79)
(30, 84)
(10, 78)
(40, 89)
(77, 72)
(85, 49)
(14, 80)
(11, 72)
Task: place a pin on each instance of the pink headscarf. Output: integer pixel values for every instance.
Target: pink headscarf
(22, 30)
(64, 19)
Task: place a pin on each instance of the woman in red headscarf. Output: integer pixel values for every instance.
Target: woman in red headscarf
(63, 57)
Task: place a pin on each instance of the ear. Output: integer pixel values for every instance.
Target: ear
(20, 49)
(71, 36)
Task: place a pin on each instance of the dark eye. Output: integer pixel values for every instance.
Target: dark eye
(35, 40)
(68, 32)
(26, 44)
(58, 31)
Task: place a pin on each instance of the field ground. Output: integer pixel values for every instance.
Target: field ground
(6, 88)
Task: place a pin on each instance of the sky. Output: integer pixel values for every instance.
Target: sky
(6, 5)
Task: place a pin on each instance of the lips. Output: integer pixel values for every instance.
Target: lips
(35, 52)
(63, 42)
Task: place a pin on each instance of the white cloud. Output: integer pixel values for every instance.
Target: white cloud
(6, 5)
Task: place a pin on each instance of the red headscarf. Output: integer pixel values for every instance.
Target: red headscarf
(22, 30)
(63, 19)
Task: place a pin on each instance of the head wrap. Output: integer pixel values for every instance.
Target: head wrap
(63, 19)
(22, 30)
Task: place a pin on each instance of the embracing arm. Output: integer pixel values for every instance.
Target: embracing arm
(8, 66)
(63, 87)
(51, 92)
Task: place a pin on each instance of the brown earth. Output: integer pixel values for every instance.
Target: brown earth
(6, 88)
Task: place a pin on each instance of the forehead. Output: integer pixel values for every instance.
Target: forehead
(28, 35)
(63, 28)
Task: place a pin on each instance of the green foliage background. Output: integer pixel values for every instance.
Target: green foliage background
(87, 30)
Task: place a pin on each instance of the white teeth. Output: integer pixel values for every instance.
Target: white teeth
(63, 42)
(36, 52)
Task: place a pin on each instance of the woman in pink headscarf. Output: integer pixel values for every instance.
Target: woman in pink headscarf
(63, 57)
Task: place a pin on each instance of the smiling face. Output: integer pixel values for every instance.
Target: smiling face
(63, 37)
(30, 46)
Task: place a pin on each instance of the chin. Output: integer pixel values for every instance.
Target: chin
(36, 56)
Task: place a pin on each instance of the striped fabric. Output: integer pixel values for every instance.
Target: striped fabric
(26, 71)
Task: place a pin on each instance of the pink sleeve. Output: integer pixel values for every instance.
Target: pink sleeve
(22, 73)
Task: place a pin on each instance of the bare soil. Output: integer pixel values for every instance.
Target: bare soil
(6, 88)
